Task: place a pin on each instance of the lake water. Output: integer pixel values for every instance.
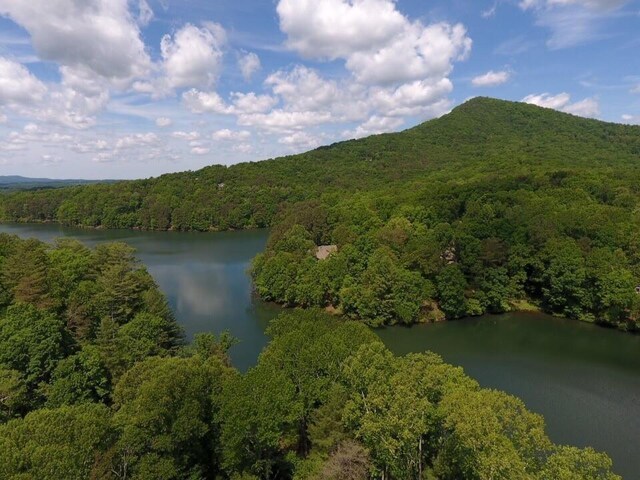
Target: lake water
(585, 380)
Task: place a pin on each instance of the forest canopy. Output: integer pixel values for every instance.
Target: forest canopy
(96, 382)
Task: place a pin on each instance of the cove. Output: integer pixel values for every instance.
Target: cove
(585, 380)
(203, 275)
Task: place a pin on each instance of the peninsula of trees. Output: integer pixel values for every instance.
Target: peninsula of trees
(495, 206)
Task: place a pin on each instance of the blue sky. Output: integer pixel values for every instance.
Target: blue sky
(137, 88)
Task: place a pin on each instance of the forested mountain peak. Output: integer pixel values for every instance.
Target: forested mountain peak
(484, 136)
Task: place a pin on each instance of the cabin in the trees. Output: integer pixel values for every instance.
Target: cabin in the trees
(638, 289)
(323, 251)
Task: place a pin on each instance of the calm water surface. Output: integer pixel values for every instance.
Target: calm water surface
(585, 380)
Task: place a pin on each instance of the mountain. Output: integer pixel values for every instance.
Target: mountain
(481, 137)
(495, 206)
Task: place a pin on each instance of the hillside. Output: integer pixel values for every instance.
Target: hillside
(493, 207)
(482, 136)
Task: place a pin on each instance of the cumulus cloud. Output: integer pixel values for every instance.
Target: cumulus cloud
(249, 64)
(300, 140)
(378, 43)
(412, 99)
(631, 119)
(188, 136)
(163, 122)
(200, 150)
(230, 135)
(193, 56)
(204, 102)
(137, 140)
(251, 103)
(375, 125)
(18, 85)
(241, 103)
(589, 107)
(491, 79)
(96, 35)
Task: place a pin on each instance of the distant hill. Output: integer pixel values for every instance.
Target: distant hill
(17, 182)
(481, 137)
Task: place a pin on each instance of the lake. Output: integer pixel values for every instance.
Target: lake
(585, 380)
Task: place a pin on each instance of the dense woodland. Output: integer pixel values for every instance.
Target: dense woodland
(496, 206)
(97, 383)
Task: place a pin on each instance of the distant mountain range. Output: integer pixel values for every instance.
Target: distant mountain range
(17, 182)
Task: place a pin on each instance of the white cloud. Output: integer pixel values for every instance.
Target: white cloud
(193, 56)
(163, 122)
(200, 150)
(631, 119)
(3, 118)
(242, 148)
(249, 64)
(203, 102)
(300, 140)
(589, 107)
(188, 136)
(284, 121)
(491, 79)
(96, 35)
(375, 125)
(412, 99)
(137, 140)
(420, 52)
(18, 85)
(251, 103)
(635, 89)
(241, 103)
(304, 89)
(230, 135)
(334, 29)
(377, 42)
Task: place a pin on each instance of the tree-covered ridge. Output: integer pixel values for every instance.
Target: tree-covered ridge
(326, 401)
(483, 137)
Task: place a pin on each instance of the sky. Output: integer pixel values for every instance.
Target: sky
(137, 88)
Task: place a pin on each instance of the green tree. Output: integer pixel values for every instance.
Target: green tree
(80, 378)
(67, 442)
(32, 342)
(451, 285)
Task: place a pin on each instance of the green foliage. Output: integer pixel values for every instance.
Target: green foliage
(67, 442)
(80, 378)
(68, 331)
(492, 204)
(165, 413)
(326, 400)
(32, 342)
